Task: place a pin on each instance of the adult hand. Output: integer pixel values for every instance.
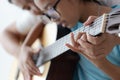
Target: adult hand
(26, 63)
(92, 50)
(92, 47)
(82, 46)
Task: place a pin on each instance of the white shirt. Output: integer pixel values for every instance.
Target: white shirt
(25, 22)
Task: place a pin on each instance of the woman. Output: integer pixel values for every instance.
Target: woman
(13, 35)
(95, 63)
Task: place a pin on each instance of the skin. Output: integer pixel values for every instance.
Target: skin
(85, 44)
(13, 41)
(27, 5)
(96, 49)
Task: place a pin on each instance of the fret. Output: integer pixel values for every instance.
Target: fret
(56, 48)
(59, 47)
(101, 24)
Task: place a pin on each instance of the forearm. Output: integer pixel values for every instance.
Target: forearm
(33, 34)
(10, 43)
(110, 69)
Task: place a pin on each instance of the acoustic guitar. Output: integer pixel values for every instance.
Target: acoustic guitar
(59, 68)
(109, 23)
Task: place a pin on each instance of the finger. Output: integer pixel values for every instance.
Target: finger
(23, 68)
(27, 77)
(85, 44)
(73, 48)
(84, 37)
(33, 69)
(26, 74)
(96, 40)
(72, 39)
(79, 50)
(88, 48)
(89, 20)
(93, 40)
(79, 35)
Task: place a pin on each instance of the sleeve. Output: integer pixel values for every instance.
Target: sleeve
(26, 21)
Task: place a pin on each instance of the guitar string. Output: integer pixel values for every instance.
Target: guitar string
(98, 14)
(94, 26)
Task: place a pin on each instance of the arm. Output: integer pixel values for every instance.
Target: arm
(10, 39)
(110, 69)
(97, 55)
(27, 65)
(33, 34)
(96, 49)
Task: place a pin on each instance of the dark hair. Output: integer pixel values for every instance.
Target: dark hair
(10, 1)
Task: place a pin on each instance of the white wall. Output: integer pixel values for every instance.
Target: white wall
(8, 13)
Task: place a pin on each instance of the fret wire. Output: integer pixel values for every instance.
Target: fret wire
(83, 29)
(97, 22)
(88, 30)
(98, 19)
(59, 45)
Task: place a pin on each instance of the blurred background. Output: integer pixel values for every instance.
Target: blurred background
(8, 13)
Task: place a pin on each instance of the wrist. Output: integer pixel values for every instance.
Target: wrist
(100, 62)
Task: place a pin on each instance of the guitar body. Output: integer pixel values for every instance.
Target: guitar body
(63, 66)
(49, 36)
(59, 68)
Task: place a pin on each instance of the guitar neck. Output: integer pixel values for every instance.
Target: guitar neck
(59, 47)
(106, 23)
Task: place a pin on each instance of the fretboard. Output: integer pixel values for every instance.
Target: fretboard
(59, 47)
